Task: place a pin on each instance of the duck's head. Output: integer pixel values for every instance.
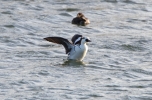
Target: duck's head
(80, 15)
(85, 40)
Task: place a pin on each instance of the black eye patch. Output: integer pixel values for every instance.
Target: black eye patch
(87, 40)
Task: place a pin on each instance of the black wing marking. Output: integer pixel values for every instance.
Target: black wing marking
(75, 37)
(59, 40)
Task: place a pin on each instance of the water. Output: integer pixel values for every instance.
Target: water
(118, 63)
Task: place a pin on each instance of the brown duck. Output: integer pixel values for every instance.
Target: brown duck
(80, 20)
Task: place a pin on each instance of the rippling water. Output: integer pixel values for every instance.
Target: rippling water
(118, 65)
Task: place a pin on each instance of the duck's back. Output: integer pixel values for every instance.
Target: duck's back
(76, 20)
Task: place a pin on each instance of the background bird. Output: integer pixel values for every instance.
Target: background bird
(80, 20)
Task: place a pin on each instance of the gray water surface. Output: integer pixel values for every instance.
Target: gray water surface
(118, 65)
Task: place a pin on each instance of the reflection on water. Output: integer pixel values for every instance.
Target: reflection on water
(73, 63)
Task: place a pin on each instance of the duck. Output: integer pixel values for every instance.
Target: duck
(80, 20)
(76, 49)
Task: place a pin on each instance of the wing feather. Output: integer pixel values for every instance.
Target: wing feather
(59, 40)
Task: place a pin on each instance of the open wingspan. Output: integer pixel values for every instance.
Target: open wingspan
(59, 40)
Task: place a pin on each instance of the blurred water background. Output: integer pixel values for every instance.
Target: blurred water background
(118, 65)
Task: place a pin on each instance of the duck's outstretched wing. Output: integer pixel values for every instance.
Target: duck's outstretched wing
(59, 40)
